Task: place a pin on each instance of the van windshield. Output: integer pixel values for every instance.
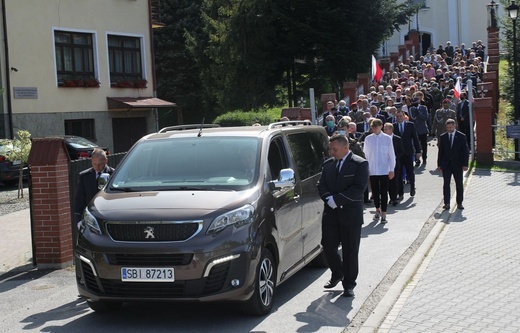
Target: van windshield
(189, 164)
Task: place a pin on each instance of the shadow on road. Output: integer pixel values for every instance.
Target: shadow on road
(194, 317)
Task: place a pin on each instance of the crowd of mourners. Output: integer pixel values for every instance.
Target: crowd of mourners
(411, 103)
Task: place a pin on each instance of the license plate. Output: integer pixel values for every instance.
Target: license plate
(141, 274)
(17, 162)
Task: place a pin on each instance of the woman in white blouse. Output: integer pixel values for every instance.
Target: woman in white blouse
(379, 152)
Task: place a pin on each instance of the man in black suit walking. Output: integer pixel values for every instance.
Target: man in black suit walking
(453, 159)
(88, 182)
(393, 186)
(406, 130)
(463, 116)
(341, 187)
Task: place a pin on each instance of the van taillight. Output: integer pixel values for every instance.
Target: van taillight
(2, 158)
(83, 154)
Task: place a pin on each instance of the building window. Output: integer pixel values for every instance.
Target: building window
(80, 127)
(75, 59)
(125, 62)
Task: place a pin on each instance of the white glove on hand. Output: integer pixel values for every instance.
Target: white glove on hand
(331, 203)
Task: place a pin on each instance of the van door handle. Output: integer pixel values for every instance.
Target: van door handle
(296, 197)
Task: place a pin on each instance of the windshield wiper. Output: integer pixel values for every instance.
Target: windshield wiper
(123, 189)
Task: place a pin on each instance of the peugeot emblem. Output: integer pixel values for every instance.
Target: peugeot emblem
(149, 232)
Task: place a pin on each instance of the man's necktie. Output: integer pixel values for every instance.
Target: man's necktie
(401, 128)
(451, 140)
(338, 166)
(98, 175)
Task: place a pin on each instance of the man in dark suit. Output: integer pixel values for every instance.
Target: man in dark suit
(399, 151)
(406, 130)
(453, 160)
(341, 187)
(463, 116)
(88, 184)
(363, 126)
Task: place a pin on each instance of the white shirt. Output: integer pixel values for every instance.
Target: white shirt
(379, 152)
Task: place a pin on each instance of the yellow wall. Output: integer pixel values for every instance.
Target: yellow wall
(30, 26)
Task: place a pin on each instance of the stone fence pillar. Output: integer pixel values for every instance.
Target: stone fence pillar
(50, 204)
(484, 131)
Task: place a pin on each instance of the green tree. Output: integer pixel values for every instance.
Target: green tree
(258, 46)
(19, 152)
(178, 73)
(506, 25)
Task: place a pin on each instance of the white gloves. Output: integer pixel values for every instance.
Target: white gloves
(331, 203)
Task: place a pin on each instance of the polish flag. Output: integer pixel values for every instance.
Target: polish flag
(457, 89)
(377, 73)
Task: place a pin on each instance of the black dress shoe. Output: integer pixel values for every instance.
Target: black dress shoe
(332, 283)
(400, 197)
(446, 207)
(412, 192)
(349, 292)
(460, 206)
(367, 201)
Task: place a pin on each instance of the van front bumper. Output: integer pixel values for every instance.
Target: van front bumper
(222, 277)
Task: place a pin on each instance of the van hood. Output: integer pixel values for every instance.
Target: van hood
(170, 204)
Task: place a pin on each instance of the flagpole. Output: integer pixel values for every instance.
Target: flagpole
(469, 88)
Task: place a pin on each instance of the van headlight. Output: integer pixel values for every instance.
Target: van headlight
(90, 221)
(237, 217)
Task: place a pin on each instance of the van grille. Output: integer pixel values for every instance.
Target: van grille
(149, 260)
(216, 278)
(178, 289)
(143, 289)
(153, 231)
(90, 279)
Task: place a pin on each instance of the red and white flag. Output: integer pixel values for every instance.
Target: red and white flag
(377, 73)
(457, 89)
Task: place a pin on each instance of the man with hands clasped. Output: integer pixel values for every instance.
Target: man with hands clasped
(341, 186)
(453, 159)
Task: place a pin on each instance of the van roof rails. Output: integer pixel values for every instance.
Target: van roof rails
(187, 127)
(290, 122)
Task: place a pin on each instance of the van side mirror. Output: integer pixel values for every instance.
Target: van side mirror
(285, 180)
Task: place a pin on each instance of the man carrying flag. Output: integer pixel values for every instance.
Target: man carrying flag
(377, 73)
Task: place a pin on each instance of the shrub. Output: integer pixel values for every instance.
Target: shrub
(239, 118)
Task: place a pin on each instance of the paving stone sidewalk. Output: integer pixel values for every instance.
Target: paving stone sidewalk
(470, 280)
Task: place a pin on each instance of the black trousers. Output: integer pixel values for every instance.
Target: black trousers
(379, 186)
(407, 162)
(457, 174)
(349, 236)
(423, 139)
(393, 185)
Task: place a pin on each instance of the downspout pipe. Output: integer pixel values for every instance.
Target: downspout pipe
(152, 53)
(10, 133)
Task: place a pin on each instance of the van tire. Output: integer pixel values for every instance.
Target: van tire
(104, 306)
(261, 302)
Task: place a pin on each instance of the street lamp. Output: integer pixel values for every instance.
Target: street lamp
(512, 10)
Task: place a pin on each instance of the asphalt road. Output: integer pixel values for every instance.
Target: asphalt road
(46, 301)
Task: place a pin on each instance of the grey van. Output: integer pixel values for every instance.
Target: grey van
(209, 214)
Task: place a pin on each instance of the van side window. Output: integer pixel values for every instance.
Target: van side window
(308, 160)
(320, 144)
(277, 157)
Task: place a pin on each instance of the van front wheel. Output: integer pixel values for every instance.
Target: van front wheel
(261, 302)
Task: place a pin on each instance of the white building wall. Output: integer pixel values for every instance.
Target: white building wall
(458, 21)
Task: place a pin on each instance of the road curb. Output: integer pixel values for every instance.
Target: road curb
(387, 303)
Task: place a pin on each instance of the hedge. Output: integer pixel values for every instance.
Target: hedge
(239, 118)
